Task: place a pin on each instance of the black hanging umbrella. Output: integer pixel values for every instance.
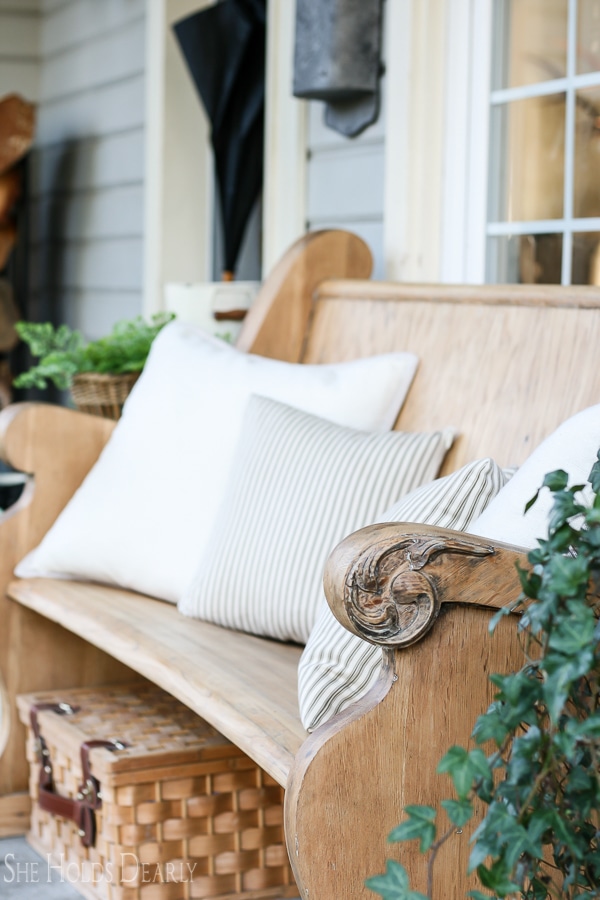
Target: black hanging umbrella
(224, 48)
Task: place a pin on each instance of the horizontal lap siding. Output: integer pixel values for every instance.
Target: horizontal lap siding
(87, 172)
(346, 181)
(19, 48)
(88, 163)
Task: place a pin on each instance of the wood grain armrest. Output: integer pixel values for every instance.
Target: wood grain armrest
(387, 583)
(58, 447)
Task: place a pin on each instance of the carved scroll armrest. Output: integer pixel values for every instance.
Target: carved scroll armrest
(387, 583)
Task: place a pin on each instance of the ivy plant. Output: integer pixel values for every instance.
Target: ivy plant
(539, 775)
(62, 352)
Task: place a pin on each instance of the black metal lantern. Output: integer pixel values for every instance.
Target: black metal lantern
(337, 60)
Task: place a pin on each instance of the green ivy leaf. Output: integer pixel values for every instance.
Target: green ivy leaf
(490, 727)
(557, 686)
(563, 833)
(575, 634)
(539, 824)
(594, 478)
(587, 729)
(568, 574)
(458, 765)
(394, 884)
(420, 824)
(538, 890)
(459, 811)
(561, 540)
(500, 614)
(557, 480)
(564, 508)
(497, 878)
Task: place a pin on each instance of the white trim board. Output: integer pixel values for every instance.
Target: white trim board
(179, 183)
(285, 183)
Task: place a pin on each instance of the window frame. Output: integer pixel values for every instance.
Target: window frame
(469, 100)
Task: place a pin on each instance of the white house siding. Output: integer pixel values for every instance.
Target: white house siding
(19, 74)
(345, 180)
(19, 48)
(87, 171)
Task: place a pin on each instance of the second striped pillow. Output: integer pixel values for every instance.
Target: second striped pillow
(298, 485)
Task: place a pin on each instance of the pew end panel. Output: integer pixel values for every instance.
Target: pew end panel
(426, 596)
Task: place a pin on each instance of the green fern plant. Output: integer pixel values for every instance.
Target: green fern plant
(540, 784)
(63, 353)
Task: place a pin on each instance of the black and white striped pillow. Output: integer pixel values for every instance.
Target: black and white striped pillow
(337, 668)
(298, 485)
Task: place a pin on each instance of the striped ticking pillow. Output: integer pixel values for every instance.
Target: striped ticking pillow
(337, 667)
(298, 485)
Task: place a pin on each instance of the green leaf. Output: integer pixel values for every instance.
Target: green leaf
(594, 478)
(559, 682)
(557, 480)
(517, 696)
(568, 574)
(563, 832)
(394, 884)
(481, 764)
(490, 727)
(459, 811)
(420, 825)
(500, 614)
(497, 878)
(483, 783)
(538, 890)
(574, 634)
(564, 508)
(530, 502)
(588, 729)
(540, 822)
(458, 765)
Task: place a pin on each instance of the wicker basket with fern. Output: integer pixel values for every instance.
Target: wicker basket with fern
(99, 374)
(102, 394)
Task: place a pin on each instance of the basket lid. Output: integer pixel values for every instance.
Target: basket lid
(156, 729)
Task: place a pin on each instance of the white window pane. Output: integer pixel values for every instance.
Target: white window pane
(525, 259)
(531, 37)
(585, 267)
(527, 141)
(588, 36)
(586, 197)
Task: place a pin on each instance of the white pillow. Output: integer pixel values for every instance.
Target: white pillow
(337, 668)
(572, 447)
(298, 485)
(143, 515)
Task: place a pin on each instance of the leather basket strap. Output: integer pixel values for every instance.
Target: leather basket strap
(81, 809)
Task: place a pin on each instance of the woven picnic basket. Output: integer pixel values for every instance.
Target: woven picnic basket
(102, 394)
(183, 813)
